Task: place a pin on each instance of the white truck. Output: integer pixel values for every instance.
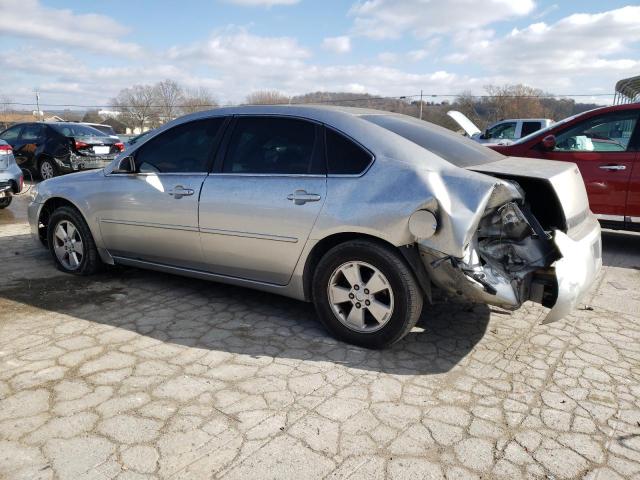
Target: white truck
(503, 132)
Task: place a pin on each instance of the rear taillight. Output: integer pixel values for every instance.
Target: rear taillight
(5, 149)
(80, 145)
(120, 146)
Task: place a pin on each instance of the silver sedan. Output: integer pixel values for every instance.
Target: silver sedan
(361, 212)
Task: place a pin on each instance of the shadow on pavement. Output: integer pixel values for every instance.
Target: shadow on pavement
(621, 249)
(214, 316)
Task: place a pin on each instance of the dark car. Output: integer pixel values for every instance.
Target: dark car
(51, 149)
(605, 144)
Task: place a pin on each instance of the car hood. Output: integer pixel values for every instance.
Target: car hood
(467, 125)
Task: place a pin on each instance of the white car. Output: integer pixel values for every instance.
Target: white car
(503, 132)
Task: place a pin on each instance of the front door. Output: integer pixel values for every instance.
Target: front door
(152, 215)
(258, 208)
(600, 146)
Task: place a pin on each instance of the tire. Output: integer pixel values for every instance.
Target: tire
(5, 202)
(401, 298)
(65, 254)
(47, 169)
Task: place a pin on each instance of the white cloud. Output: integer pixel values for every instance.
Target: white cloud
(93, 32)
(340, 44)
(262, 3)
(423, 18)
(578, 50)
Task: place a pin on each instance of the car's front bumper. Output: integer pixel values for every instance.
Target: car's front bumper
(33, 214)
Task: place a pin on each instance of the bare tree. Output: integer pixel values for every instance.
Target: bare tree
(266, 97)
(197, 100)
(92, 116)
(5, 110)
(514, 101)
(169, 96)
(136, 106)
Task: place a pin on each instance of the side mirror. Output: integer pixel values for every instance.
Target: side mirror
(549, 142)
(486, 135)
(126, 165)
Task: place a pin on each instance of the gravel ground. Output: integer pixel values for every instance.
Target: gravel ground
(133, 374)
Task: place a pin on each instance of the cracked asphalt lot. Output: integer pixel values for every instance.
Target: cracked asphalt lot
(133, 374)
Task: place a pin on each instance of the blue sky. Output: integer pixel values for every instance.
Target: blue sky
(82, 52)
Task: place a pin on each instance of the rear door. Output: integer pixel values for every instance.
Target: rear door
(601, 147)
(259, 205)
(632, 213)
(31, 138)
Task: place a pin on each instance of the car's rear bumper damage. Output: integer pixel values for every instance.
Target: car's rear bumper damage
(512, 257)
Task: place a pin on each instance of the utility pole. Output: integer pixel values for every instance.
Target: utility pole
(420, 104)
(38, 103)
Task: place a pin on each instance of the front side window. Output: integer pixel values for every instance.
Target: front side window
(269, 145)
(11, 135)
(187, 148)
(530, 127)
(502, 131)
(606, 133)
(345, 157)
(31, 133)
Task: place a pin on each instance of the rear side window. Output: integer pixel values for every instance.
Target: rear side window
(11, 135)
(530, 127)
(269, 145)
(344, 157)
(187, 148)
(31, 133)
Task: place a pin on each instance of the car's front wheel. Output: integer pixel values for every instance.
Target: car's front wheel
(5, 202)
(47, 169)
(365, 294)
(71, 243)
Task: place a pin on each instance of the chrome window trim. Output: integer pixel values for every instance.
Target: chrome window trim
(633, 219)
(148, 174)
(292, 175)
(611, 218)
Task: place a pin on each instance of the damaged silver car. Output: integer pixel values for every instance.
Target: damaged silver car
(361, 212)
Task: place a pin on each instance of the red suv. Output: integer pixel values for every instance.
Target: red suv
(605, 144)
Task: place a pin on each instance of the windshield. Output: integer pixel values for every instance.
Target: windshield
(72, 130)
(451, 146)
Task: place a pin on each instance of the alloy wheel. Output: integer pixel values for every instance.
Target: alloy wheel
(46, 170)
(360, 296)
(68, 246)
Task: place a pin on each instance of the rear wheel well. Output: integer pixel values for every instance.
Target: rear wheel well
(47, 209)
(326, 244)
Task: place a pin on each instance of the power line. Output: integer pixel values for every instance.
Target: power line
(362, 99)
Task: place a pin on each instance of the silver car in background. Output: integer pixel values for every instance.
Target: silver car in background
(11, 178)
(361, 212)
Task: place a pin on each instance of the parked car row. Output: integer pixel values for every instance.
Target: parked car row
(50, 149)
(359, 211)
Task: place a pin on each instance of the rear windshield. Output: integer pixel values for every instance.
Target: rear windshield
(70, 130)
(108, 129)
(451, 146)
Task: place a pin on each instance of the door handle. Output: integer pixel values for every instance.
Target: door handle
(179, 191)
(612, 167)
(300, 197)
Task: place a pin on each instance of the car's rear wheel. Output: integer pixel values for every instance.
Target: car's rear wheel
(71, 243)
(366, 294)
(5, 202)
(47, 169)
